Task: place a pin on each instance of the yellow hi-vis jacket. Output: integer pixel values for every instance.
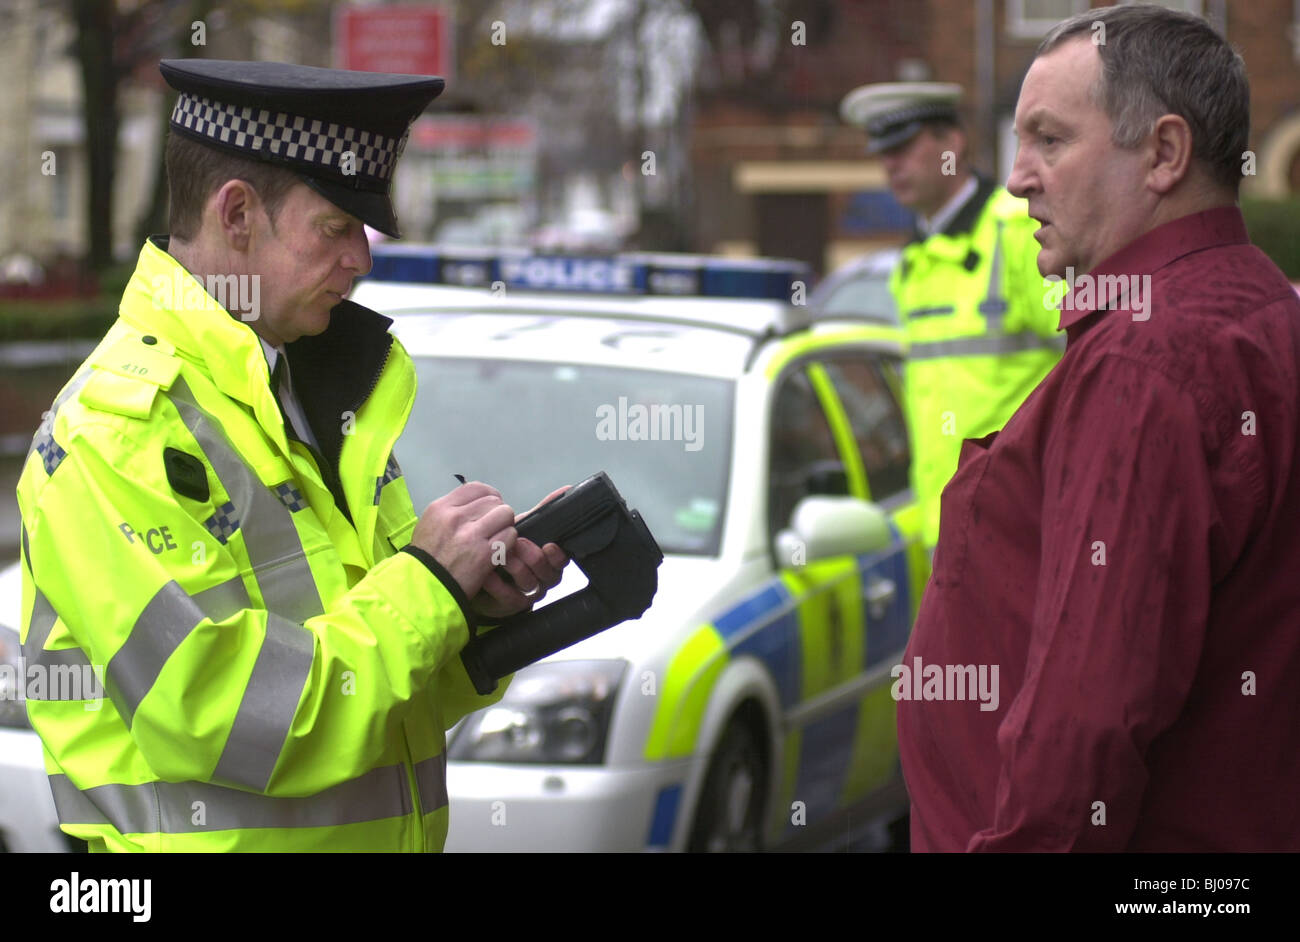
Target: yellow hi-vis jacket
(981, 333)
(257, 671)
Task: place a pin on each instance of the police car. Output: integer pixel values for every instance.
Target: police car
(765, 447)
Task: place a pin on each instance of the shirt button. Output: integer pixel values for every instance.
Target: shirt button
(149, 339)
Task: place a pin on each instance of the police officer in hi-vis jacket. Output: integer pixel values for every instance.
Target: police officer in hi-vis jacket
(213, 520)
(979, 323)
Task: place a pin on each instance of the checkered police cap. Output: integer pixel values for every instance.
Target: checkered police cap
(892, 113)
(341, 132)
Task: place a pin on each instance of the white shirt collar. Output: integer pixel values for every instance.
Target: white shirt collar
(271, 353)
(939, 221)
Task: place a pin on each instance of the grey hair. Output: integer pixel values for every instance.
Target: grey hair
(1156, 61)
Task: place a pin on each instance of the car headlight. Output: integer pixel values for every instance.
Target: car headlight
(554, 713)
(13, 709)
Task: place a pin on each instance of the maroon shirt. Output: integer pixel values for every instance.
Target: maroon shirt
(1127, 552)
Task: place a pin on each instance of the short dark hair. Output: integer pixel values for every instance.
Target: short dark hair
(195, 171)
(1156, 61)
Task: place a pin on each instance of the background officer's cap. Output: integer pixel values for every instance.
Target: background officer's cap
(894, 112)
(305, 119)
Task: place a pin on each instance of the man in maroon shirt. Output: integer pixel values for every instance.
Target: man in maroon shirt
(1123, 558)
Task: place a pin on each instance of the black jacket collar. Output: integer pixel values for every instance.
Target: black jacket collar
(966, 217)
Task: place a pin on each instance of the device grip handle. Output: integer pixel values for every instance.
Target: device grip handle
(522, 639)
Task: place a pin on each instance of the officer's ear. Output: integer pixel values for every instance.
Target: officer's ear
(235, 207)
(951, 137)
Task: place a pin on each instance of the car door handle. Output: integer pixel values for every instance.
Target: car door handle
(879, 595)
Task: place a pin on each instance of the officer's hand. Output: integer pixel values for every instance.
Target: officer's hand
(460, 530)
(533, 570)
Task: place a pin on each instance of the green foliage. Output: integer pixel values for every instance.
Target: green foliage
(1274, 226)
(87, 318)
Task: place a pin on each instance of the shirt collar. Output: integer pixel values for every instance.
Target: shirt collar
(939, 221)
(271, 352)
(1149, 253)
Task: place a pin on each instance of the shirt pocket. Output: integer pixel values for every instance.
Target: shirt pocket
(959, 510)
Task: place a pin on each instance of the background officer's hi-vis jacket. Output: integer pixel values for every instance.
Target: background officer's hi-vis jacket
(275, 675)
(980, 334)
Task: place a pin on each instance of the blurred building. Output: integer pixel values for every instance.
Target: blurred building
(777, 173)
(542, 133)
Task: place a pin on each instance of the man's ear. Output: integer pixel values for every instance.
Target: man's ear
(237, 206)
(1171, 153)
(952, 137)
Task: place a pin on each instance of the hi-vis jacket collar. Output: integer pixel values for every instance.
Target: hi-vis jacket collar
(188, 317)
(202, 331)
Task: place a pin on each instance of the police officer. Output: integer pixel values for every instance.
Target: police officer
(979, 322)
(213, 520)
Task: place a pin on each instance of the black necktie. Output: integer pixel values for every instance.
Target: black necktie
(277, 384)
(277, 375)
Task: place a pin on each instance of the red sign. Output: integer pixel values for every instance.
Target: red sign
(417, 40)
(452, 134)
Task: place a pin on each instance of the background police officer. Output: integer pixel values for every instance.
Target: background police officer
(980, 325)
(279, 673)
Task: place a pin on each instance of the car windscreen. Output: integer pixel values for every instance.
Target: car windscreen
(528, 427)
(864, 296)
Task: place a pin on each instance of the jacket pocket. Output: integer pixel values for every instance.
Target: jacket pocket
(959, 510)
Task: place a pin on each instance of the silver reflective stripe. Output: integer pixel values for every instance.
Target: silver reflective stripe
(64, 674)
(269, 704)
(165, 623)
(40, 625)
(994, 305)
(988, 345)
(431, 781)
(199, 807)
(270, 537)
(930, 311)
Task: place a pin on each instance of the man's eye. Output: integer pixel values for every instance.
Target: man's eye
(1048, 140)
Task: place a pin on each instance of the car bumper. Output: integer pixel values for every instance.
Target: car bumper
(28, 821)
(498, 807)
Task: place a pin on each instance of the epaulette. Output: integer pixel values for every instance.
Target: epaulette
(128, 375)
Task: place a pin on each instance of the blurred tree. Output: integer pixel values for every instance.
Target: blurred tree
(113, 38)
(174, 36)
(746, 38)
(100, 74)
(1272, 227)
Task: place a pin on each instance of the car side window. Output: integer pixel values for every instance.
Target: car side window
(803, 459)
(876, 419)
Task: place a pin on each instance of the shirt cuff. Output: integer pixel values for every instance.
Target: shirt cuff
(448, 582)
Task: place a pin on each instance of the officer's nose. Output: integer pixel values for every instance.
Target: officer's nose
(357, 257)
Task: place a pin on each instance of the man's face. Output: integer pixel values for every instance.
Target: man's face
(1088, 194)
(916, 166)
(307, 264)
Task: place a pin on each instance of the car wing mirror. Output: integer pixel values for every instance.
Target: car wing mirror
(822, 527)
